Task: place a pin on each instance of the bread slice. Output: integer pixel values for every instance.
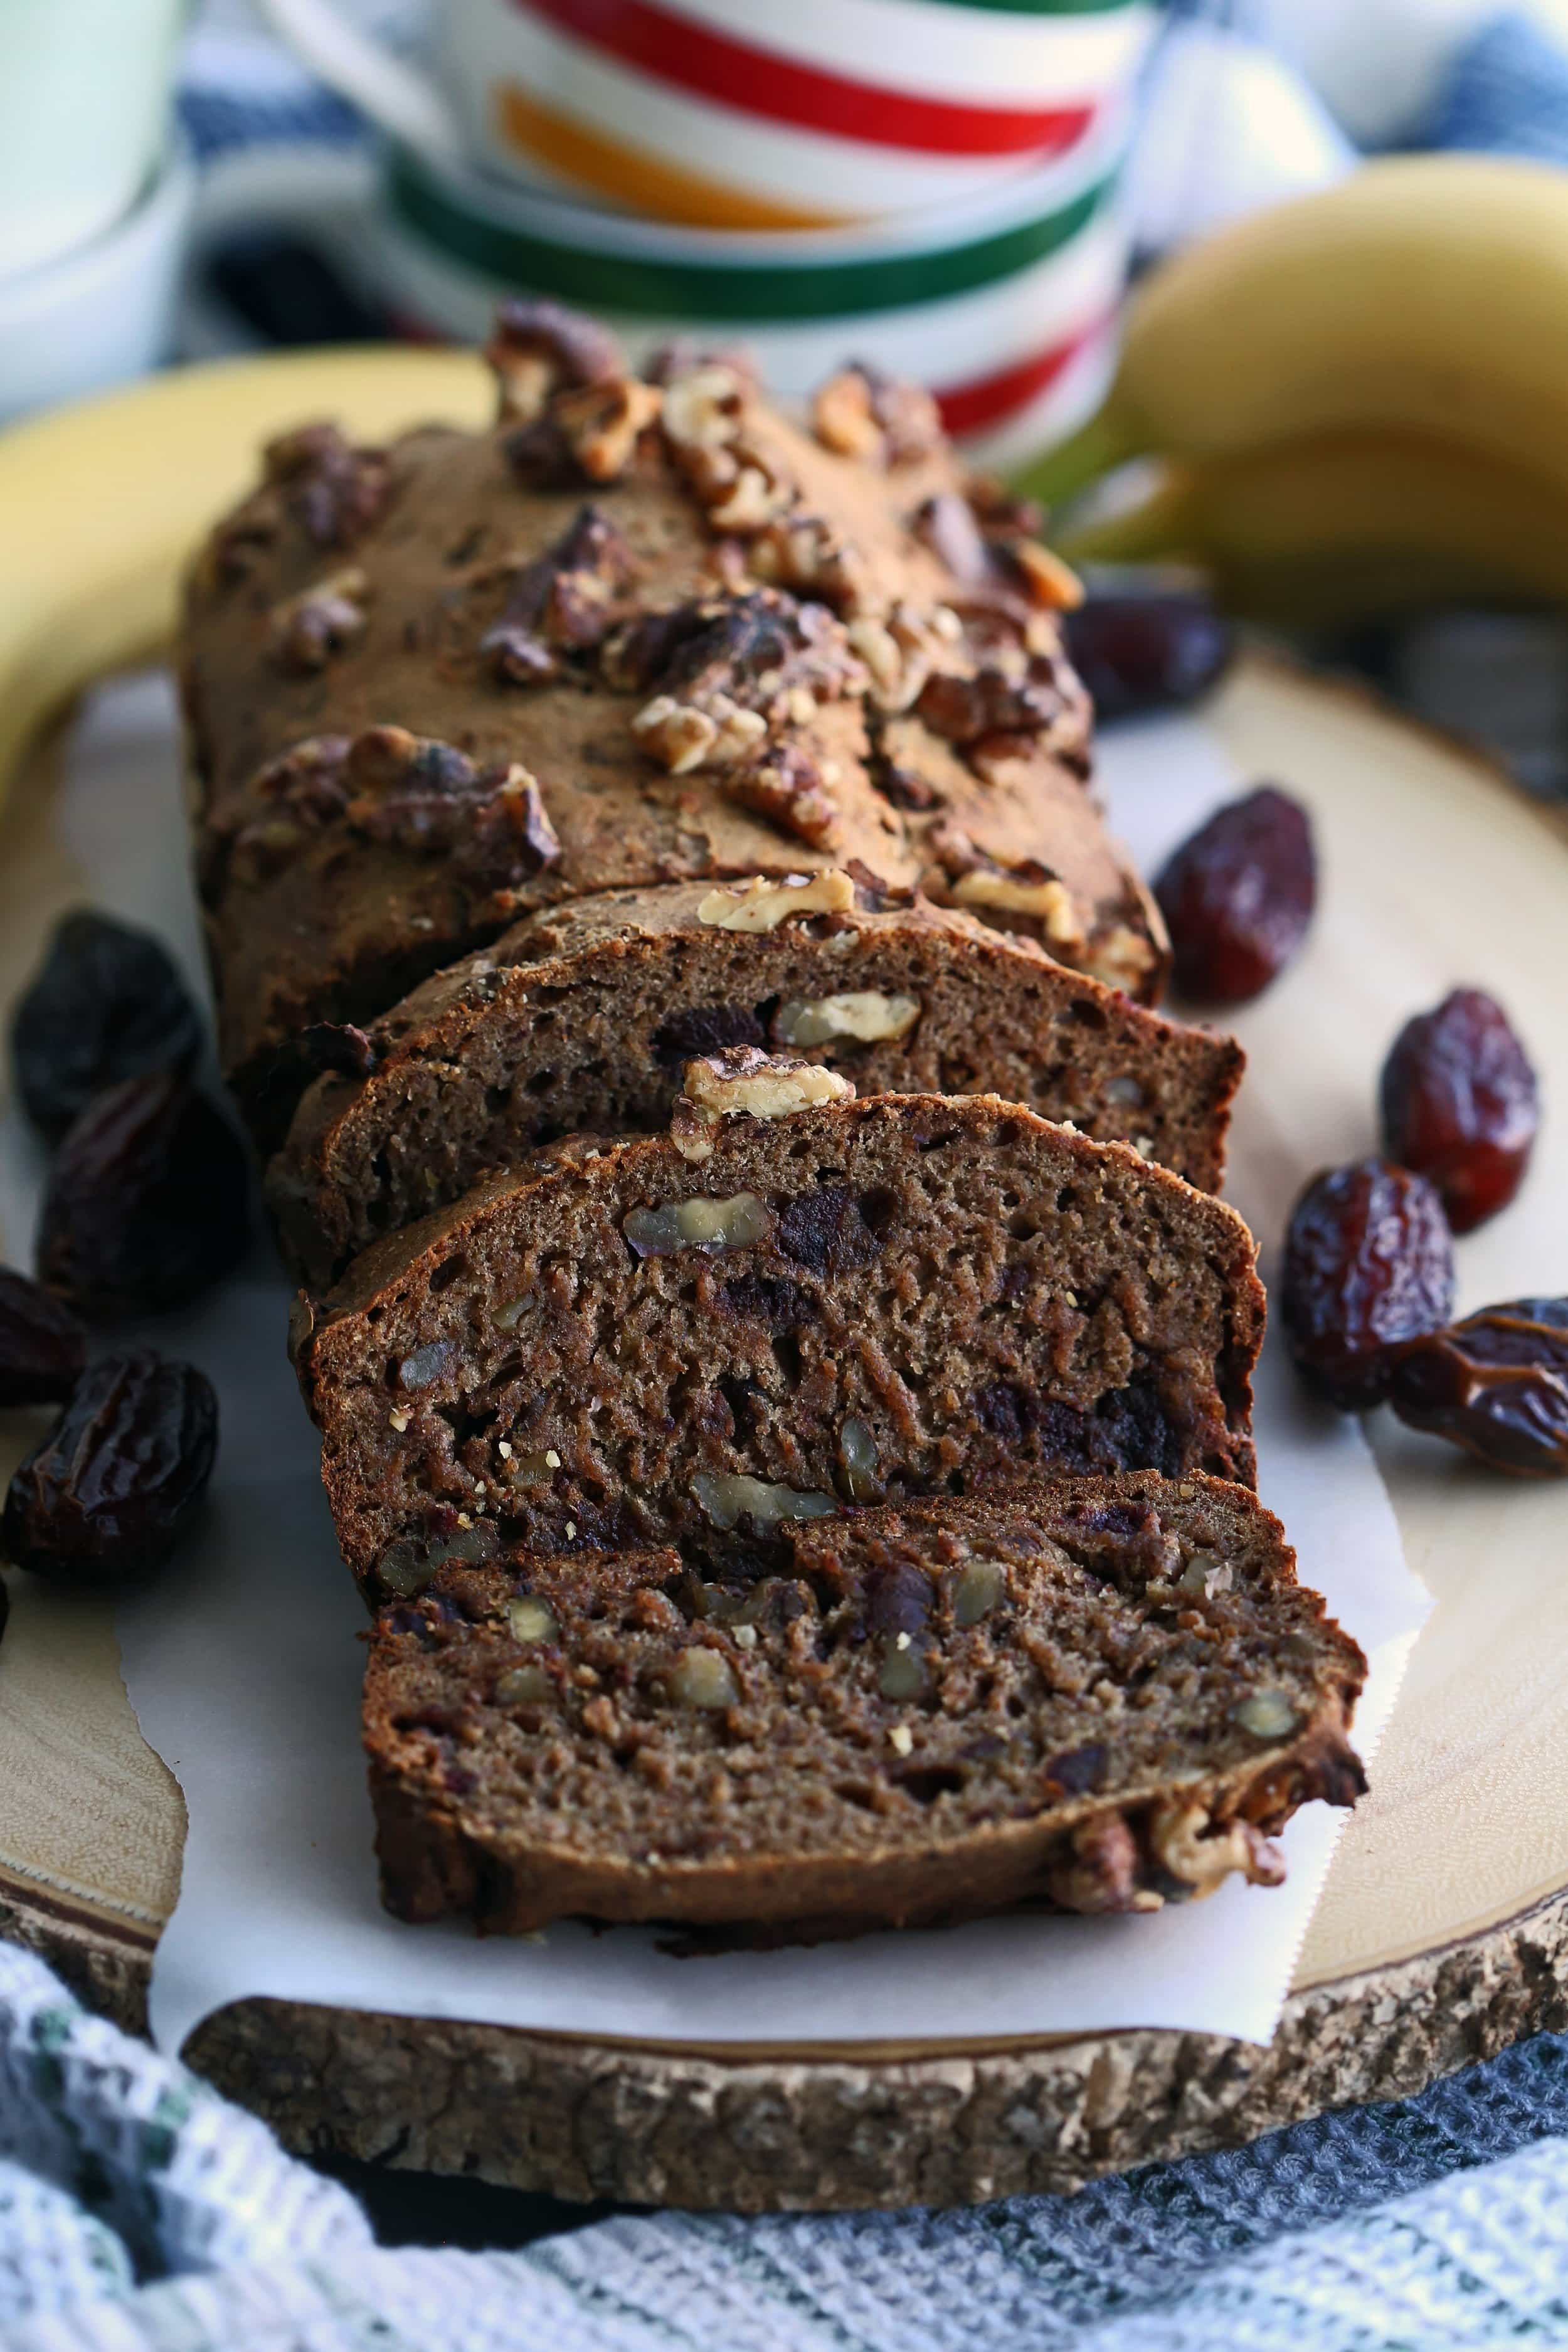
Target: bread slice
(1104, 1693)
(583, 1018)
(684, 1339)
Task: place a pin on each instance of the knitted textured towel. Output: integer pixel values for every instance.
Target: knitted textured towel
(1437, 2223)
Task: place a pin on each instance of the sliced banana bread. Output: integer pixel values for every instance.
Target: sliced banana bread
(1103, 1693)
(793, 1299)
(639, 633)
(582, 1016)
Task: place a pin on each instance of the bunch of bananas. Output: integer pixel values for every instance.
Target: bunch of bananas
(1360, 398)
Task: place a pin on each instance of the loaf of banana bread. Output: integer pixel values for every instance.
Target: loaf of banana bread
(640, 633)
(582, 1017)
(1106, 1694)
(793, 1299)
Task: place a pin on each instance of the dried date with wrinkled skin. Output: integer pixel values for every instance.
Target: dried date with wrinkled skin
(107, 1004)
(1369, 1264)
(1238, 897)
(1149, 649)
(148, 1203)
(105, 1495)
(43, 1345)
(1460, 1104)
(1495, 1383)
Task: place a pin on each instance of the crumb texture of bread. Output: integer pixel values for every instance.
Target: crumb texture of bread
(861, 1302)
(432, 687)
(1104, 1695)
(580, 1018)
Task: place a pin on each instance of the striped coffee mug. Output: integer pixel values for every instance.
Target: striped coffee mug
(1004, 305)
(745, 115)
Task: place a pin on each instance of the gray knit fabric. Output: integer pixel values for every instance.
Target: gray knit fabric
(140, 2212)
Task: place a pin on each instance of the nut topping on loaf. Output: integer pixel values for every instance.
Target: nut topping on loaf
(905, 1715)
(928, 1294)
(715, 644)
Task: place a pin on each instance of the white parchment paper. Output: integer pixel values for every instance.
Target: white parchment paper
(244, 1668)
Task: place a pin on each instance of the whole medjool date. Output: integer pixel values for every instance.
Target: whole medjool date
(107, 1492)
(106, 1004)
(148, 1201)
(1369, 1264)
(1460, 1104)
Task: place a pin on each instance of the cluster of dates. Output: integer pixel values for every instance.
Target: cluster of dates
(146, 1204)
(1369, 1258)
(1368, 1289)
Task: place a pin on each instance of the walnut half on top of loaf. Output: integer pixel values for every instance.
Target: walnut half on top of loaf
(1105, 1694)
(862, 1301)
(640, 633)
(581, 1017)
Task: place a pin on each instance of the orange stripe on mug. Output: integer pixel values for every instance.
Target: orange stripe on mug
(692, 56)
(632, 176)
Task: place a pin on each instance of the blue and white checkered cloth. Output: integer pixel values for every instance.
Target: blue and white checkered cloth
(140, 2212)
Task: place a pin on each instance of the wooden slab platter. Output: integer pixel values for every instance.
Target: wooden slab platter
(1443, 1932)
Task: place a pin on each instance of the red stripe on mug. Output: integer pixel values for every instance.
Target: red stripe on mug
(676, 49)
(991, 399)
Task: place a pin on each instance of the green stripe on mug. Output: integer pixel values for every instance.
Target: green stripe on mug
(746, 289)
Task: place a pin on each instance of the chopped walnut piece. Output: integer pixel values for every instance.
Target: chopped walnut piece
(862, 412)
(304, 631)
(900, 651)
(566, 600)
(334, 492)
(740, 1081)
(790, 788)
(537, 348)
(1029, 888)
(703, 411)
(841, 416)
(1186, 1842)
(948, 525)
(765, 901)
(1123, 959)
(681, 736)
(700, 1224)
(683, 355)
(1049, 580)
(1001, 699)
(1103, 1872)
(806, 552)
(602, 424)
(866, 1015)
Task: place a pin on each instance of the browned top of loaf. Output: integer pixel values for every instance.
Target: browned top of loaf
(582, 1014)
(1104, 1691)
(358, 591)
(946, 1288)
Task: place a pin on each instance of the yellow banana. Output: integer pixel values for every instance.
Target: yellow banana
(1343, 525)
(1426, 293)
(102, 503)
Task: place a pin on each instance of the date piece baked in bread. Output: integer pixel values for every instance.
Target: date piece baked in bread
(638, 632)
(793, 1300)
(1104, 1693)
(582, 1016)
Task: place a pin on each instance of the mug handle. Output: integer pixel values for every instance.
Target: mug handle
(392, 93)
